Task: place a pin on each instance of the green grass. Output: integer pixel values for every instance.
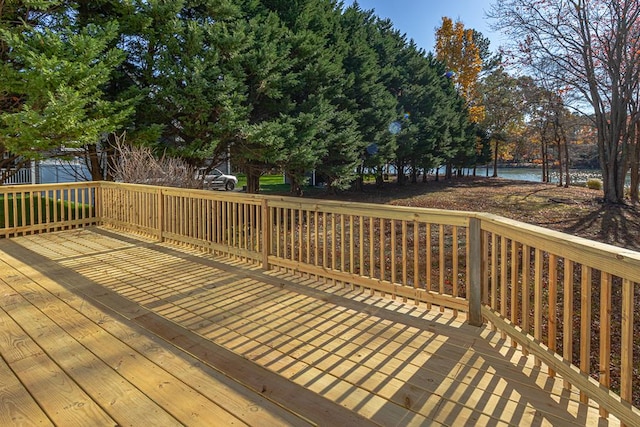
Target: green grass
(265, 180)
(57, 207)
(268, 183)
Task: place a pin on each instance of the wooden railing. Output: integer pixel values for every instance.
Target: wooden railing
(569, 302)
(26, 209)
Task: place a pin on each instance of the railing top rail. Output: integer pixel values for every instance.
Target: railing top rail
(622, 262)
(406, 213)
(40, 187)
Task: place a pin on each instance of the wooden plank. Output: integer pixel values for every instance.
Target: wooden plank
(56, 393)
(218, 387)
(17, 406)
(322, 344)
(298, 399)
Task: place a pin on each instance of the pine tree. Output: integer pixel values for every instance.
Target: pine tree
(182, 61)
(56, 74)
(370, 92)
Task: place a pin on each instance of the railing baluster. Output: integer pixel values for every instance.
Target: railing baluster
(605, 335)
(514, 286)
(429, 264)
(416, 255)
(553, 312)
(537, 297)
(442, 267)
(454, 266)
(394, 245)
(504, 286)
(526, 296)
(567, 316)
(585, 324)
(626, 346)
(383, 245)
(494, 275)
(372, 249)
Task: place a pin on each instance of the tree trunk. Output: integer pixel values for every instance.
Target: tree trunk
(401, 176)
(253, 181)
(93, 163)
(449, 171)
(558, 144)
(358, 185)
(567, 163)
(635, 163)
(495, 159)
(295, 186)
(543, 154)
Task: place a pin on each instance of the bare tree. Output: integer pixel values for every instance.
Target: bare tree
(138, 165)
(591, 47)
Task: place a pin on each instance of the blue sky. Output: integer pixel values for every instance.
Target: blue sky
(420, 18)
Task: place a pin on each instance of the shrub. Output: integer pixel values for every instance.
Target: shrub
(138, 165)
(594, 184)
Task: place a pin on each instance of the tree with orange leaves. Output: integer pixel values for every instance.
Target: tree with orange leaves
(456, 48)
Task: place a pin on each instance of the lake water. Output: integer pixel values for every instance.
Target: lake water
(535, 174)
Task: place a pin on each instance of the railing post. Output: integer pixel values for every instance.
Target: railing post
(160, 214)
(474, 291)
(266, 234)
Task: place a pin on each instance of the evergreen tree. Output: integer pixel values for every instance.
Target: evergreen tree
(369, 93)
(181, 59)
(267, 79)
(55, 74)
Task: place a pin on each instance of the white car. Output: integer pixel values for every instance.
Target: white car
(216, 180)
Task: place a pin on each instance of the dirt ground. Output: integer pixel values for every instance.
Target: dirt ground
(575, 210)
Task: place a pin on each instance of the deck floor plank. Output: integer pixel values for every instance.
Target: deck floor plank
(23, 330)
(315, 350)
(17, 406)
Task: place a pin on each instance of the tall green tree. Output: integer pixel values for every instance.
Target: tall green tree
(371, 91)
(56, 75)
(266, 72)
(181, 59)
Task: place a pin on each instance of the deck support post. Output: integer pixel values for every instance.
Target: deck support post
(474, 286)
(266, 234)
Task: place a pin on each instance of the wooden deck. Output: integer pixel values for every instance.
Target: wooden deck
(103, 328)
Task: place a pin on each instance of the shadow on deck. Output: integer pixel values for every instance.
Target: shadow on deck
(103, 328)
